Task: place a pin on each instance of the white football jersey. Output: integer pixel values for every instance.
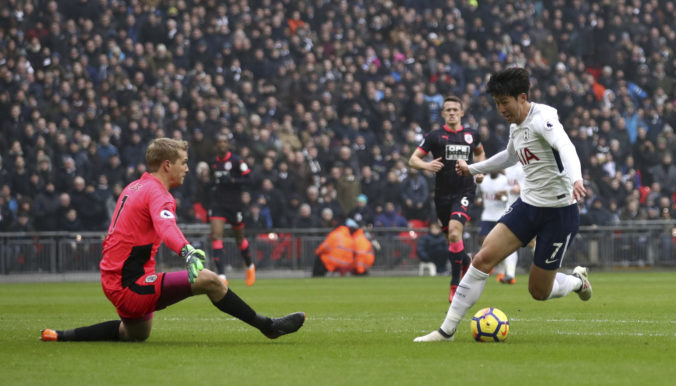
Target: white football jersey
(494, 204)
(550, 162)
(515, 178)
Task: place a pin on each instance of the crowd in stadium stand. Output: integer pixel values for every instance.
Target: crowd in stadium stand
(324, 99)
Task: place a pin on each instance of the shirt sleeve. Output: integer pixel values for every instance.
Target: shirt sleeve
(162, 211)
(425, 143)
(497, 162)
(557, 138)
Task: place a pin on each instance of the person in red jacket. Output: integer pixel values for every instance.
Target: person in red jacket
(336, 252)
(144, 218)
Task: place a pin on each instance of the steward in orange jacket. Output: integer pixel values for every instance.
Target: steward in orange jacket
(363, 253)
(336, 252)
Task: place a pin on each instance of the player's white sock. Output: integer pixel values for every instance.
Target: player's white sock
(500, 268)
(563, 285)
(510, 265)
(470, 288)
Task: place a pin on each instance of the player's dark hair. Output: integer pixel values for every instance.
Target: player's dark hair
(453, 98)
(161, 149)
(513, 81)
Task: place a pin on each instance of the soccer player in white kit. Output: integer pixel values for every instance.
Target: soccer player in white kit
(546, 208)
(494, 194)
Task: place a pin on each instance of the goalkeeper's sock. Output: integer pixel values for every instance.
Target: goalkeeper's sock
(103, 331)
(233, 305)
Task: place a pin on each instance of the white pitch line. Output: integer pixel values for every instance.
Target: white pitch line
(614, 333)
(638, 321)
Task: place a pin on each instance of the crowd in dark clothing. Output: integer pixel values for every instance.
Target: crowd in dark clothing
(324, 99)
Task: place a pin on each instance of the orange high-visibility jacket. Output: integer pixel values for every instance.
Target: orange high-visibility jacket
(337, 250)
(363, 252)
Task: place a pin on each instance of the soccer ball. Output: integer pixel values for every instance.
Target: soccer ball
(490, 325)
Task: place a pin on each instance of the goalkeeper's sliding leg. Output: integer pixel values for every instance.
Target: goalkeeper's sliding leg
(137, 301)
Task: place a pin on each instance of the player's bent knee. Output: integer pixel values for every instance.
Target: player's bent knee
(136, 332)
(538, 294)
(208, 281)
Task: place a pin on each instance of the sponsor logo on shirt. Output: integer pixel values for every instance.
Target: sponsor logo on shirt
(526, 156)
(456, 152)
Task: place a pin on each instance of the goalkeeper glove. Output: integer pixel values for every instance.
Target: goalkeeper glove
(194, 261)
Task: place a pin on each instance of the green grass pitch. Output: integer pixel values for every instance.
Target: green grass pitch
(359, 331)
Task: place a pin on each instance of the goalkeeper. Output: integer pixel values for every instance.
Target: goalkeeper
(144, 218)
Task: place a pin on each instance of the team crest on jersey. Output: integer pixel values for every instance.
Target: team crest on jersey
(468, 138)
(549, 125)
(228, 165)
(151, 278)
(166, 214)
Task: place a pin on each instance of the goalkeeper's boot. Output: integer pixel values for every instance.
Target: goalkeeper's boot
(285, 325)
(436, 336)
(499, 277)
(585, 291)
(451, 292)
(251, 275)
(49, 335)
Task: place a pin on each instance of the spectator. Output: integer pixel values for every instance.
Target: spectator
(414, 196)
(599, 215)
(347, 188)
(106, 149)
(91, 211)
(70, 221)
(362, 213)
(22, 223)
(305, 218)
(432, 247)
(371, 186)
(6, 216)
(665, 173)
(46, 209)
(391, 190)
(327, 220)
(255, 220)
(133, 153)
(633, 211)
(113, 170)
(20, 178)
(274, 200)
(312, 199)
(389, 218)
